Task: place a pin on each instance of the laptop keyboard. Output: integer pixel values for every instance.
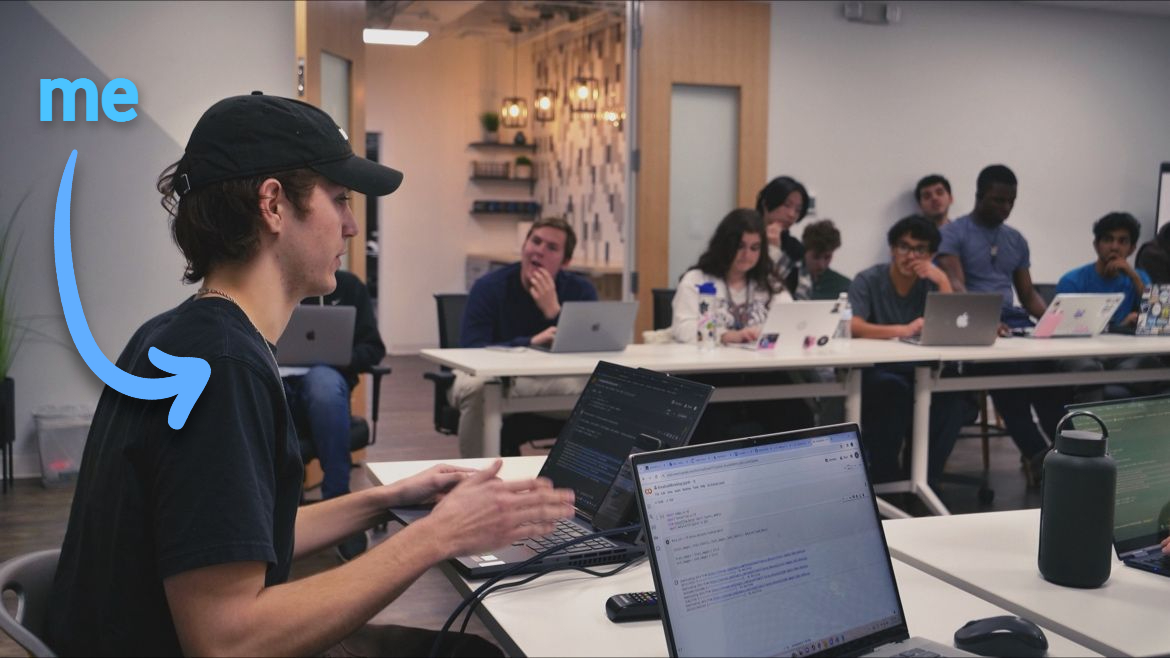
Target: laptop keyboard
(918, 653)
(563, 532)
(1154, 561)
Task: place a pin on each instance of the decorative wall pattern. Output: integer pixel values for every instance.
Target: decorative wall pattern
(581, 158)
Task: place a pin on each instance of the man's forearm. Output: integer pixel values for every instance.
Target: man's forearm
(326, 523)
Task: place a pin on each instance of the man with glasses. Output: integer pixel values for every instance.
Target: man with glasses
(888, 301)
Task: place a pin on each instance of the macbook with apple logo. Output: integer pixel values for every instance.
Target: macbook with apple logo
(317, 335)
(965, 319)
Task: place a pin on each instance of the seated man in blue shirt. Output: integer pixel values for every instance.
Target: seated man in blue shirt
(518, 306)
(1115, 236)
(888, 301)
(980, 253)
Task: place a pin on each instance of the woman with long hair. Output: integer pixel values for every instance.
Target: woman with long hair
(783, 202)
(737, 265)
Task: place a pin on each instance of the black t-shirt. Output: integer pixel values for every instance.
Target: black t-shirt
(152, 502)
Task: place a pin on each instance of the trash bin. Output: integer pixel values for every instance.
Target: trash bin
(61, 433)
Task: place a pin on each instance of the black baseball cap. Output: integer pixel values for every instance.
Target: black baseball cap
(245, 136)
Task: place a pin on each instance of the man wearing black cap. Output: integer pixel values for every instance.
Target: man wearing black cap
(180, 541)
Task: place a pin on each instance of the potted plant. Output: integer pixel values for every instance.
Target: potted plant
(523, 167)
(9, 338)
(491, 126)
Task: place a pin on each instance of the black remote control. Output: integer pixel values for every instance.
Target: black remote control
(633, 606)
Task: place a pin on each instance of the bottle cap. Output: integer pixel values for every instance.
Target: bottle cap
(1081, 443)
(707, 288)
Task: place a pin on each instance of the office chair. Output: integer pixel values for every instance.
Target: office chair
(663, 309)
(30, 578)
(516, 428)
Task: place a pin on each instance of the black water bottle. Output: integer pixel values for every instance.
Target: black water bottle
(1076, 513)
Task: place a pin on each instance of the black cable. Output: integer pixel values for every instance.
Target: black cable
(515, 569)
(585, 570)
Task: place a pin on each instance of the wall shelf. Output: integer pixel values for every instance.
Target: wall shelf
(503, 145)
(530, 182)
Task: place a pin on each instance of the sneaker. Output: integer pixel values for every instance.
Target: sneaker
(352, 547)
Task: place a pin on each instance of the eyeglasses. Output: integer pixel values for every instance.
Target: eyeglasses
(904, 249)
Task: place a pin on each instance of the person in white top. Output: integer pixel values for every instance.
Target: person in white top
(737, 263)
(745, 288)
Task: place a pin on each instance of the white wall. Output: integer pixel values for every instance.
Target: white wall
(1074, 101)
(426, 102)
(182, 57)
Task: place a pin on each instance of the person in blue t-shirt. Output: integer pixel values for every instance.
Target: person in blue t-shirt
(980, 253)
(1115, 237)
(518, 306)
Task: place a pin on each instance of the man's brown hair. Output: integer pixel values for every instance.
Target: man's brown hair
(220, 223)
(821, 236)
(560, 224)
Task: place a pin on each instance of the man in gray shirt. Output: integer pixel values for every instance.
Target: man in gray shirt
(888, 301)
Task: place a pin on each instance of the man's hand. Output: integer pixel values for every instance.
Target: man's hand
(914, 328)
(772, 233)
(543, 289)
(545, 337)
(484, 513)
(1119, 266)
(426, 487)
(925, 269)
(1166, 546)
(1130, 320)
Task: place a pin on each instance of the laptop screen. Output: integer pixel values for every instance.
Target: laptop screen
(769, 546)
(617, 405)
(1138, 442)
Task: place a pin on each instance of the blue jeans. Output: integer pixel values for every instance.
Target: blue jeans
(887, 418)
(321, 397)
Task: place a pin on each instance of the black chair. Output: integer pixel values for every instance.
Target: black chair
(360, 433)
(663, 309)
(1047, 291)
(516, 428)
(30, 578)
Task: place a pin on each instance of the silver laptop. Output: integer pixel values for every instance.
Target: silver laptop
(594, 327)
(968, 318)
(793, 325)
(1140, 445)
(1077, 314)
(772, 546)
(317, 335)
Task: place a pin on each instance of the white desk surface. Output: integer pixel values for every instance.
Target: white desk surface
(1019, 349)
(577, 625)
(675, 358)
(993, 556)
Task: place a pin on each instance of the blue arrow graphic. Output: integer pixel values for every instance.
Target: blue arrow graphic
(189, 374)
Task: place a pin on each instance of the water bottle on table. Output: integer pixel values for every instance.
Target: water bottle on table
(707, 338)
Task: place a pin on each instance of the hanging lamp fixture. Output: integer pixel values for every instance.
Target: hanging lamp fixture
(514, 112)
(583, 89)
(543, 101)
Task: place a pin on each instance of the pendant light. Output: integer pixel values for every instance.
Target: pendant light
(583, 89)
(514, 112)
(543, 100)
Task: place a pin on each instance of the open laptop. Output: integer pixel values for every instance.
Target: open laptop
(621, 411)
(772, 546)
(317, 335)
(1154, 315)
(593, 327)
(798, 325)
(967, 319)
(1140, 445)
(1077, 314)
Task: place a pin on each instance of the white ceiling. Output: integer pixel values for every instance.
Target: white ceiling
(473, 18)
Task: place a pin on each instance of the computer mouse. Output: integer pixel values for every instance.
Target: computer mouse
(1002, 636)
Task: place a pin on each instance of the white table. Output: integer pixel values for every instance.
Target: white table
(563, 613)
(927, 380)
(501, 365)
(993, 556)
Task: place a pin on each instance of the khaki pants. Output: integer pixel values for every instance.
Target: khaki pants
(467, 394)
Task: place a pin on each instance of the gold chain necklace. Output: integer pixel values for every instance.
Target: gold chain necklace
(205, 291)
